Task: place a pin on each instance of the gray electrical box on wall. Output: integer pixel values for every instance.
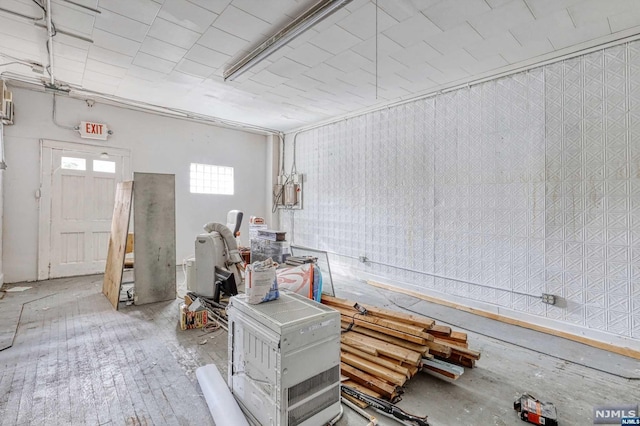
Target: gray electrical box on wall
(287, 193)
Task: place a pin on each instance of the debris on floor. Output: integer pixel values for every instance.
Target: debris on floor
(16, 289)
(382, 349)
(189, 319)
(532, 410)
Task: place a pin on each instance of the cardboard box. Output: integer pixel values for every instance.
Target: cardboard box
(189, 320)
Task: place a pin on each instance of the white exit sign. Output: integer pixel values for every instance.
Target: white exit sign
(90, 130)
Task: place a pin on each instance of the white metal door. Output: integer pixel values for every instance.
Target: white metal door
(79, 192)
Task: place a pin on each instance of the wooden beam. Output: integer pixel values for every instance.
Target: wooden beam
(440, 330)
(385, 330)
(418, 321)
(368, 349)
(368, 380)
(114, 265)
(388, 349)
(461, 360)
(378, 360)
(387, 323)
(438, 349)
(355, 401)
(622, 350)
(373, 368)
(468, 353)
(386, 338)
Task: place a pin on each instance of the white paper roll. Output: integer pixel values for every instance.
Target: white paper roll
(222, 405)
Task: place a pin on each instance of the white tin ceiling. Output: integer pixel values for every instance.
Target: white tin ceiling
(172, 52)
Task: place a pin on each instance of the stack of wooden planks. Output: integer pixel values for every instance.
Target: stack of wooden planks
(381, 349)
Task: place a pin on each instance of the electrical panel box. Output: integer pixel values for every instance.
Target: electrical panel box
(284, 360)
(6, 104)
(287, 193)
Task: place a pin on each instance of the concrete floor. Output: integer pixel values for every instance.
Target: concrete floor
(75, 360)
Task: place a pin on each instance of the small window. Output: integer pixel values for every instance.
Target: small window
(71, 163)
(104, 166)
(208, 179)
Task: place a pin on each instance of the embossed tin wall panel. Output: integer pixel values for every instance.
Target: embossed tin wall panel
(498, 192)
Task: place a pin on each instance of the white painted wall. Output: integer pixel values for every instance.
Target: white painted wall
(1, 220)
(158, 145)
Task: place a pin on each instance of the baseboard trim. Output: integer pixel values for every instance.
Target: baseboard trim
(621, 350)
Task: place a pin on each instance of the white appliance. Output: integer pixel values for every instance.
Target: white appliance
(284, 360)
(210, 252)
(216, 247)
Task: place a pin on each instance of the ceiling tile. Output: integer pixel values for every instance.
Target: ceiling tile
(485, 65)
(331, 20)
(387, 65)
(528, 51)
(562, 38)
(399, 10)
(358, 77)
(285, 67)
(69, 76)
(362, 22)
(500, 19)
(114, 42)
(68, 64)
(542, 8)
(108, 69)
(107, 56)
(303, 82)
(143, 11)
(413, 30)
(69, 52)
(335, 40)
(162, 50)
(27, 31)
(216, 6)
(418, 53)
(268, 78)
(323, 72)
(370, 49)
(308, 55)
(187, 14)
(449, 14)
(186, 81)
(497, 3)
(242, 24)
(21, 6)
(153, 63)
(103, 78)
(419, 73)
(173, 33)
(460, 36)
(126, 27)
(278, 13)
(72, 19)
(223, 42)
(194, 68)
(541, 28)
(589, 11)
(493, 46)
(625, 20)
(145, 74)
(208, 57)
(350, 61)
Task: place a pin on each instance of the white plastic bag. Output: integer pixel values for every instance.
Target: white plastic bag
(262, 284)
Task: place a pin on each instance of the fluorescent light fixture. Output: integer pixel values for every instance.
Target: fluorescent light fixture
(302, 23)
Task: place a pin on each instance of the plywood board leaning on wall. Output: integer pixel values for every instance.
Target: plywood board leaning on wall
(117, 243)
(154, 251)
